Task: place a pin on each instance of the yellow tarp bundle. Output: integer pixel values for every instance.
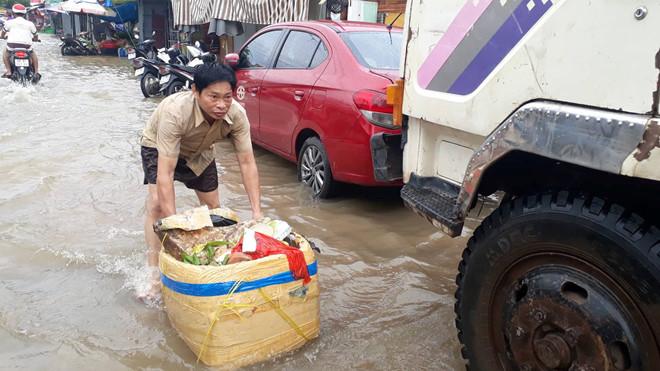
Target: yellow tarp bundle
(244, 313)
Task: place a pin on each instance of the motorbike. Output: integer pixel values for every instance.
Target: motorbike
(150, 70)
(147, 70)
(80, 45)
(177, 77)
(145, 49)
(21, 66)
(174, 78)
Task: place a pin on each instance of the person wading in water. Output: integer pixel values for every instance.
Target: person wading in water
(177, 145)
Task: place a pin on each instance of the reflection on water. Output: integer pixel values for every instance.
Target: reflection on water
(71, 205)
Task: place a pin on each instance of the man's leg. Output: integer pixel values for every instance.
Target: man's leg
(152, 213)
(35, 61)
(5, 60)
(207, 180)
(210, 199)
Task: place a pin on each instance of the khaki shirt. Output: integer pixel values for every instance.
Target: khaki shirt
(178, 129)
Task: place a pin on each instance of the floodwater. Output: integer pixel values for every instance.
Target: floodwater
(71, 209)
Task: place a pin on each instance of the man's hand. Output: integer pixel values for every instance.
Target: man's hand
(165, 185)
(250, 176)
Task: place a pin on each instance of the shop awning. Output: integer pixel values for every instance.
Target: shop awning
(260, 11)
(125, 13)
(191, 12)
(90, 7)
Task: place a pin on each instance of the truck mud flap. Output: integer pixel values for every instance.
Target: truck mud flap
(387, 157)
(436, 200)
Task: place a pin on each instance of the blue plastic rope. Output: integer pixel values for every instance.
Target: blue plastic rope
(223, 288)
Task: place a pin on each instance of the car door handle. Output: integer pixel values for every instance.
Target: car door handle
(298, 95)
(253, 91)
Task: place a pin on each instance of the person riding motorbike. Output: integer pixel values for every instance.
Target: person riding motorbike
(20, 33)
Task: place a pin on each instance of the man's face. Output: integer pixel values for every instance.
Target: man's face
(215, 99)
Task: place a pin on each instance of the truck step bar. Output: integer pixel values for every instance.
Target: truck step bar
(436, 200)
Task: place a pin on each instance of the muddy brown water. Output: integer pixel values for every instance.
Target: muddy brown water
(71, 207)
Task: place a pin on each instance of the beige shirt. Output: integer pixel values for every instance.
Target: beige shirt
(178, 129)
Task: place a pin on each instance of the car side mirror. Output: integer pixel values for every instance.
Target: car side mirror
(232, 60)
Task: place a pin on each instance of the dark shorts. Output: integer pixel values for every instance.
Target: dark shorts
(206, 182)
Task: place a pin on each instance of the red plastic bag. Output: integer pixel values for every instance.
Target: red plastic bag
(267, 246)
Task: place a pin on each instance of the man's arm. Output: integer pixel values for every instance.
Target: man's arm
(35, 35)
(250, 176)
(4, 30)
(165, 185)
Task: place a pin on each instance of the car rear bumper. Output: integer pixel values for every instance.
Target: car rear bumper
(387, 157)
(367, 160)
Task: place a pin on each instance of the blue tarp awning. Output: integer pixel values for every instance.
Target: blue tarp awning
(125, 13)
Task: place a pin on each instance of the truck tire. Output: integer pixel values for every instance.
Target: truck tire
(314, 168)
(563, 281)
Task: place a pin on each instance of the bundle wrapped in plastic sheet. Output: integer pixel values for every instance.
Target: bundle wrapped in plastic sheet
(233, 315)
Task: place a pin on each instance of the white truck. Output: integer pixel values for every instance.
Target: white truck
(551, 105)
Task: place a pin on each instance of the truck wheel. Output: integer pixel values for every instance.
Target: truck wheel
(314, 168)
(560, 281)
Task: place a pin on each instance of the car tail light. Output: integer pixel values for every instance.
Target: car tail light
(163, 70)
(373, 106)
(21, 54)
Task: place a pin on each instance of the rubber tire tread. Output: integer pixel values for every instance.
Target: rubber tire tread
(143, 78)
(639, 233)
(170, 89)
(329, 188)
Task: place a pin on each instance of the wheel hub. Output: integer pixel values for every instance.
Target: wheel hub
(312, 169)
(553, 351)
(153, 85)
(558, 318)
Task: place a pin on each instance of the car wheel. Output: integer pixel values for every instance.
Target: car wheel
(314, 168)
(560, 281)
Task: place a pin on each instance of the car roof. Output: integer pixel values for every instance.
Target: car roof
(341, 26)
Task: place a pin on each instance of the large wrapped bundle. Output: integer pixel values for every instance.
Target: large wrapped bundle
(238, 314)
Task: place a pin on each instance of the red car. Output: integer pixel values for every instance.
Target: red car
(315, 94)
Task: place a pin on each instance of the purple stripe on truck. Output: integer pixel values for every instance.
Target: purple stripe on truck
(504, 40)
(456, 31)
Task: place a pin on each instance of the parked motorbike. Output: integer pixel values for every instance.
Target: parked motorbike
(22, 70)
(174, 78)
(177, 77)
(80, 45)
(145, 49)
(148, 69)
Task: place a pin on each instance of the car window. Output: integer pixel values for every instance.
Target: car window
(379, 50)
(258, 52)
(320, 55)
(298, 50)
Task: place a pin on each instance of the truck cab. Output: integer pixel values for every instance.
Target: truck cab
(552, 107)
